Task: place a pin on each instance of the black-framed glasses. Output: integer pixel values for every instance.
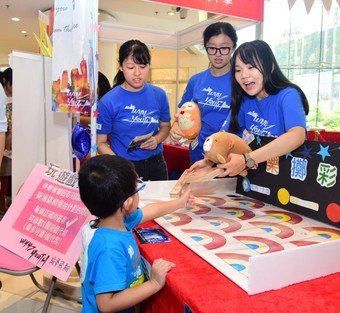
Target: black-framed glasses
(221, 50)
(140, 186)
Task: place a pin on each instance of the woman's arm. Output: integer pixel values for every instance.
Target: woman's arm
(283, 144)
(163, 132)
(103, 145)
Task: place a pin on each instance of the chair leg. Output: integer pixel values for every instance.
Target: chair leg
(78, 268)
(49, 294)
(56, 292)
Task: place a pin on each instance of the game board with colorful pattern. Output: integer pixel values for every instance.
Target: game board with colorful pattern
(229, 231)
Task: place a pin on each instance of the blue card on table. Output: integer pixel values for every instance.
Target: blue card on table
(152, 235)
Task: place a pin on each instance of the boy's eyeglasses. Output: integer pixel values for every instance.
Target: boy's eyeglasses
(222, 50)
(140, 186)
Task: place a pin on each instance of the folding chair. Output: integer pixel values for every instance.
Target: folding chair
(12, 264)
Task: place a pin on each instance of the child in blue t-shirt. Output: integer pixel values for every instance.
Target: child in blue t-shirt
(265, 103)
(113, 279)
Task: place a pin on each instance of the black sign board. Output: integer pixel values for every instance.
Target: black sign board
(305, 181)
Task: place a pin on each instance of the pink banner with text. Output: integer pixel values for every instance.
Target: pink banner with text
(43, 224)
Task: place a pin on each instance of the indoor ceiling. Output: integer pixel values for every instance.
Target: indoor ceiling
(130, 12)
(127, 12)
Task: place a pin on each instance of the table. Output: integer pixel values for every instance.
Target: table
(205, 290)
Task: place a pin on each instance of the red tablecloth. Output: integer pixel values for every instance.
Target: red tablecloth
(322, 135)
(205, 290)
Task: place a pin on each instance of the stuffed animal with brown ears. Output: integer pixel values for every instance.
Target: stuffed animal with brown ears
(218, 146)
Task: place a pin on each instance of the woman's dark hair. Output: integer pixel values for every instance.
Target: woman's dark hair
(258, 54)
(103, 85)
(105, 182)
(7, 77)
(140, 54)
(219, 28)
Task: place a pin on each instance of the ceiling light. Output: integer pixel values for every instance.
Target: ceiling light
(15, 19)
(171, 13)
(23, 32)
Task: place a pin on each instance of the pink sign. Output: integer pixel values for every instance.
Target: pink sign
(249, 9)
(43, 224)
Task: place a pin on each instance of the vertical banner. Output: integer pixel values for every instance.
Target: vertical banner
(74, 63)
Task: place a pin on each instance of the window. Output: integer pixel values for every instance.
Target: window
(307, 48)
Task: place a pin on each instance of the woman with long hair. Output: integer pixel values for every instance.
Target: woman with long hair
(264, 103)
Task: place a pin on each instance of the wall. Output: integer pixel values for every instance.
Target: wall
(161, 59)
(39, 135)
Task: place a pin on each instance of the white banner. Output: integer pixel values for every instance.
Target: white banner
(74, 63)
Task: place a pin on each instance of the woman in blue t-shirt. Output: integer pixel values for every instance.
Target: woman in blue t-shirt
(211, 88)
(265, 103)
(134, 117)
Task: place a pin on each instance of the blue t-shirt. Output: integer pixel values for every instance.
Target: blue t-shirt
(273, 115)
(213, 96)
(111, 261)
(124, 115)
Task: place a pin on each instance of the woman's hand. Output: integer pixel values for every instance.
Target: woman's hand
(234, 166)
(200, 164)
(175, 132)
(150, 144)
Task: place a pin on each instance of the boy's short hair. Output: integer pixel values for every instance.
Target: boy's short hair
(105, 182)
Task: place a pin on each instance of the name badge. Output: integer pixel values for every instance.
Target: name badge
(247, 136)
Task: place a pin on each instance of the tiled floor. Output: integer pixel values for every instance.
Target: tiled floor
(19, 295)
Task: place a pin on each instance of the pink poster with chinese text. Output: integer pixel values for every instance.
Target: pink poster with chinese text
(43, 224)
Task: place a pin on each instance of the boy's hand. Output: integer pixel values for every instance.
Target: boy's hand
(159, 270)
(186, 198)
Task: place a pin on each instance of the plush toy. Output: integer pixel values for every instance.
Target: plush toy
(218, 146)
(189, 120)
